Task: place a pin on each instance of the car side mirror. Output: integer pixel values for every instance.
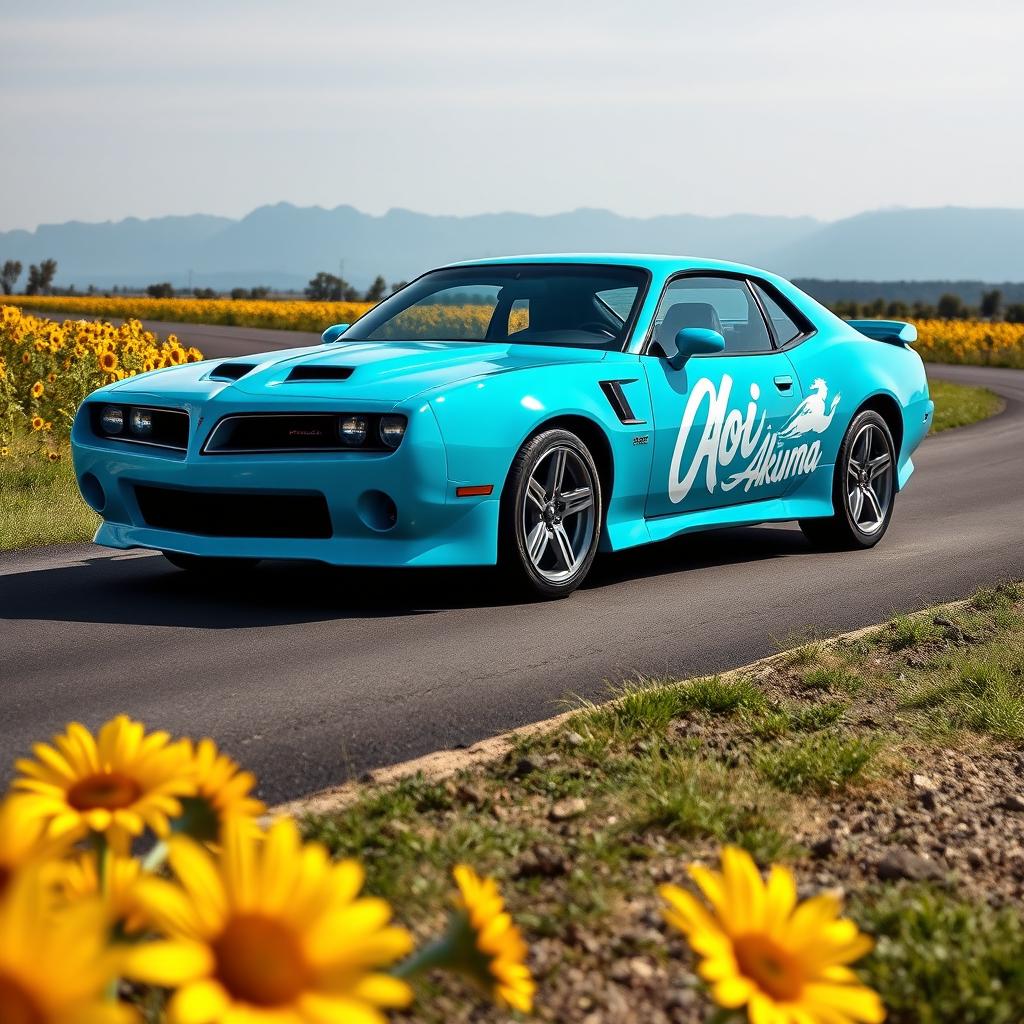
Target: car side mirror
(333, 333)
(695, 341)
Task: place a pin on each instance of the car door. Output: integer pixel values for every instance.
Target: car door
(717, 417)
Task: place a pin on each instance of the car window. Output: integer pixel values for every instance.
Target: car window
(723, 304)
(584, 305)
(786, 328)
(457, 313)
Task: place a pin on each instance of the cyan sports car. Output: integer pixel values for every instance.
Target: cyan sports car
(528, 412)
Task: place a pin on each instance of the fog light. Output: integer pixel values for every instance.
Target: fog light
(141, 421)
(392, 430)
(353, 429)
(112, 420)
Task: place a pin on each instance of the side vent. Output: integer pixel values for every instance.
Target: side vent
(617, 400)
(231, 371)
(314, 371)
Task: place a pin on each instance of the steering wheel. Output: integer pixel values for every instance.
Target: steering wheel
(596, 327)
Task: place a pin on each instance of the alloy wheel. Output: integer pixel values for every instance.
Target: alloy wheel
(559, 514)
(869, 479)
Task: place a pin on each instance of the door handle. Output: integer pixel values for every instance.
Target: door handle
(784, 384)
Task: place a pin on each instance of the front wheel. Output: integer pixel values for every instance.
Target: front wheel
(204, 565)
(551, 514)
(863, 490)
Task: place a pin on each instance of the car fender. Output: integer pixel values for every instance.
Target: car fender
(858, 371)
(485, 422)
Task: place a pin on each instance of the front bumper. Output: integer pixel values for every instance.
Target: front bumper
(432, 527)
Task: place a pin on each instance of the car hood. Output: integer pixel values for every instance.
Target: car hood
(372, 371)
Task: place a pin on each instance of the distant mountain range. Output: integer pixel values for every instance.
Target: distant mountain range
(284, 245)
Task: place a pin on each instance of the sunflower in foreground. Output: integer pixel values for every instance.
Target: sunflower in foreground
(115, 783)
(23, 844)
(786, 963)
(223, 792)
(268, 929)
(482, 943)
(78, 881)
(54, 968)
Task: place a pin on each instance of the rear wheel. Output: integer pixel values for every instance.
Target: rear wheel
(863, 490)
(208, 566)
(551, 514)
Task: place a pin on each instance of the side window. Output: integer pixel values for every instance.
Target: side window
(519, 316)
(786, 327)
(723, 304)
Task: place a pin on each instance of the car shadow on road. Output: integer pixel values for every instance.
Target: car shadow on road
(149, 591)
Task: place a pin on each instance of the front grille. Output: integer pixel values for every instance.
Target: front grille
(266, 433)
(166, 428)
(291, 432)
(235, 514)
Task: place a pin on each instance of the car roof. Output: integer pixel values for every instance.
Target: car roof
(653, 262)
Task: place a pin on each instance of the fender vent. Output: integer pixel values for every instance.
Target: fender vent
(316, 372)
(617, 400)
(231, 371)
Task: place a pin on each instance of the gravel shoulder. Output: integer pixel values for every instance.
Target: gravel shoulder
(888, 764)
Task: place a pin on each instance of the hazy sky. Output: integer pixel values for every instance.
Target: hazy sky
(111, 109)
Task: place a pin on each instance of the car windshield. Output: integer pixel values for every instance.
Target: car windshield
(530, 304)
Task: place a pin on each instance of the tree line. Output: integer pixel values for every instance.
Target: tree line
(40, 277)
(327, 287)
(950, 306)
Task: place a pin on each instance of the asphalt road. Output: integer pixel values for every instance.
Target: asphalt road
(310, 675)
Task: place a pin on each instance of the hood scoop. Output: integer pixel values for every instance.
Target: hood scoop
(313, 371)
(231, 371)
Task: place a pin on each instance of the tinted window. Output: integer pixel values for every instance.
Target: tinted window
(723, 304)
(530, 304)
(786, 328)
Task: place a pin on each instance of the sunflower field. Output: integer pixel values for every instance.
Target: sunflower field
(47, 368)
(139, 878)
(286, 315)
(973, 342)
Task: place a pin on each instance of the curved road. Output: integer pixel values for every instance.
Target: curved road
(311, 675)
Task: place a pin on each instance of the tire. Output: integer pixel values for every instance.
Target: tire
(203, 565)
(863, 488)
(552, 513)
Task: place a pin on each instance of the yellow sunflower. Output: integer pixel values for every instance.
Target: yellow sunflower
(4, 452)
(482, 943)
(23, 844)
(108, 361)
(78, 881)
(54, 967)
(268, 929)
(223, 792)
(786, 963)
(38, 389)
(38, 423)
(115, 783)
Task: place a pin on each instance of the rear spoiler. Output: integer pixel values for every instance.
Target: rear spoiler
(895, 332)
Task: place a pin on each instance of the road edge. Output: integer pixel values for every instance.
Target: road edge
(443, 764)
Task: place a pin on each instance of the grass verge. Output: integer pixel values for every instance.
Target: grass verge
(828, 757)
(39, 499)
(958, 405)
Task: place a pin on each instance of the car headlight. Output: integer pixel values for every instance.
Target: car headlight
(353, 430)
(141, 422)
(392, 430)
(112, 420)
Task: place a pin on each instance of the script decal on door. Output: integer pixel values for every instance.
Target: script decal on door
(767, 456)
